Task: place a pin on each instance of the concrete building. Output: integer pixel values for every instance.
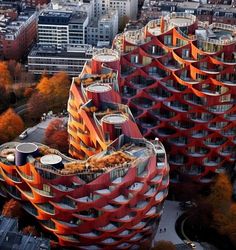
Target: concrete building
(62, 27)
(10, 238)
(113, 199)
(126, 8)
(178, 78)
(103, 30)
(34, 3)
(50, 59)
(16, 37)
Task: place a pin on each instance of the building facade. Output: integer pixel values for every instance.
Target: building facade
(103, 30)
(178, 78)
(62, 27)
(50, 59)
(17, 37)
(110, 199)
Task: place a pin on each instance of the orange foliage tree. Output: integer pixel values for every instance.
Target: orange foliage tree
(56, 135)
(11, 125)
(55, 88)
(164, 245)
(12, 208)
(5, 77)
(31, 230)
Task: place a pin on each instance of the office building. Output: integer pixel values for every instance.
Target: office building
(50, 59)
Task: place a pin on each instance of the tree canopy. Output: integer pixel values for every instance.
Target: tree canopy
(5, 77)
(11, 125)
(55, 88)
(12, 208)
(56, 135)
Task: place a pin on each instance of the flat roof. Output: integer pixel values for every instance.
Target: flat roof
(114, 119)
(99, 88)
(105, 57)
(27, 148)
(51, 159)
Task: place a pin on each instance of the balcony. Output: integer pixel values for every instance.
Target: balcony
(136, 186)
(30, 208)
(178, 106)
(201, 117)
(220, 108)
(129, 92)
(162, 113)
(166, 131)
(182, 124)
(49, 224)
(47, 207)
(158, 93)
(141, 81)
(217, 125)
(147, 122)
(143, 102)
(197, 152)
(214, 142)
(177, 159)
(179, 141)
(199, 133)
(211, 162)
(174, 86)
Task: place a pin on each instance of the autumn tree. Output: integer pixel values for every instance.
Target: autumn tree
(15, 69)
(221, 193)
(37, 105)
(28, 92)
(12, 208)
(56, 89)
(5, 77)
(11, 125)
(30, 230)
(56, 135)
(164, 245)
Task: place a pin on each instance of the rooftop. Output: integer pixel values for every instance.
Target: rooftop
(70, 51)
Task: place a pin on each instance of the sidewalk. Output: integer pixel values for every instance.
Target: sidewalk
(166, 230)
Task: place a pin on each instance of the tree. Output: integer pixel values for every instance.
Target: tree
(12, 208)
(164, 245)
(37, 105)
(5, 77)
(221, 193)
(30, 230)
(28, 92)
(56, 135)
(56, 88)
(11, 125)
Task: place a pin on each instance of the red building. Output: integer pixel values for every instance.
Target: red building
(35, 3)
(16, 37)
(178, 76)
(113, 198)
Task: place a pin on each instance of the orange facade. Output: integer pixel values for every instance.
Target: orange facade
(178, 76)
(112, 198)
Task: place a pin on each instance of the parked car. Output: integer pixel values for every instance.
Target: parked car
(190, 243)
(23, 135)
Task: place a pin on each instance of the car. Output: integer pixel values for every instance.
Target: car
(190, 244)
(23, 135)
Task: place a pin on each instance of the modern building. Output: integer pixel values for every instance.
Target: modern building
(222, 13)
(62, 27)
(178, 78)
(17, 36)
(103, 30)
(11, 238)
(113, 197)
(126, 8)
(50, 59)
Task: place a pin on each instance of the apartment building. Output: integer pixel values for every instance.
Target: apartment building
(18, 35)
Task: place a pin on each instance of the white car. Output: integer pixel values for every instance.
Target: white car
(23, 135)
